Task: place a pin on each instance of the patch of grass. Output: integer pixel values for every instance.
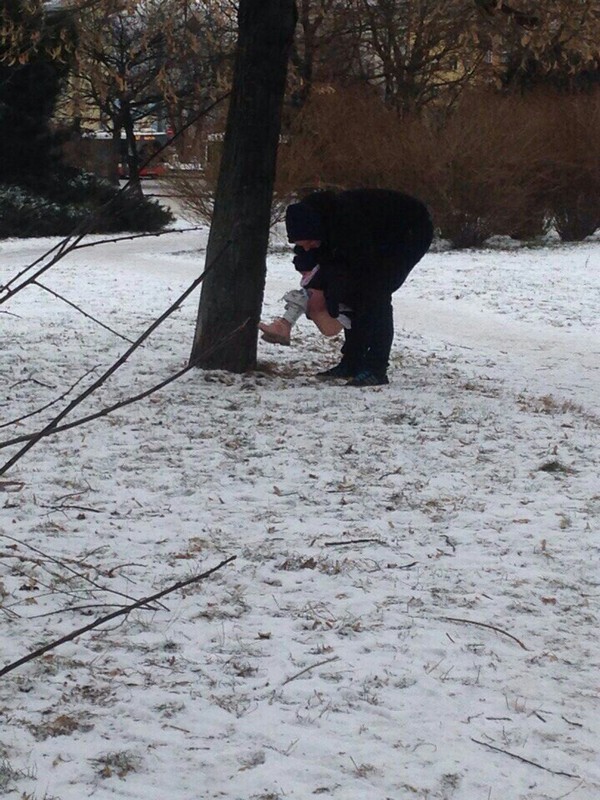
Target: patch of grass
(9, 775)
(548, 404)
(62, 725)
(117, 764)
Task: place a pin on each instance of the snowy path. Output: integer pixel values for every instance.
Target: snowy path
(540, 358)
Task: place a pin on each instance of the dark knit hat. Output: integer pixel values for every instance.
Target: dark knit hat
(302, 223)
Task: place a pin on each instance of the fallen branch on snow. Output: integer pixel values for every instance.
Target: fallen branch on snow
(308, 669)
(525, 760)
(485, 625)
(354, 541)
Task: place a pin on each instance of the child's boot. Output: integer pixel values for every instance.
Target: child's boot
(279, 331)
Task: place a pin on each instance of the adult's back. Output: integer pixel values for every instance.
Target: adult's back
(372, 238)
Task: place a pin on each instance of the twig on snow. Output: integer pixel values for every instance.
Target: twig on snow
(485, 625)
(570, 722)
(525, 760)
(306, 669)
(11, 486)
(450, 543)
(119, 613)
(574, 789)
(353, 541)
(70, 507)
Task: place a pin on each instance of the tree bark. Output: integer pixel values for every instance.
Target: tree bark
(232, 293)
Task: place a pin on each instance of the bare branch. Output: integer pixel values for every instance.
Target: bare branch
(27, 437)
(145, 235)
(81, 311)
(306, 669)
(68, 568)
(122, 403)
(118, 363)
(119, 613)
(354, 541)
(51, 403)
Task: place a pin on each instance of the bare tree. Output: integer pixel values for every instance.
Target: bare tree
(200, 71)
(324, 49)
(149, 59)
(232, 293)
(532, 43)
(418, 49)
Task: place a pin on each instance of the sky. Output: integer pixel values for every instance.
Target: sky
(409, 603)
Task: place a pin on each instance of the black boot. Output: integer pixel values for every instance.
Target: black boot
(368, 378)
(352, 353)
(340, 371)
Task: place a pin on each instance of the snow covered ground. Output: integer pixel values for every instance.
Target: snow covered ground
(413, 608)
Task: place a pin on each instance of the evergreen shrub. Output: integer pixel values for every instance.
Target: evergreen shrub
(69, 201)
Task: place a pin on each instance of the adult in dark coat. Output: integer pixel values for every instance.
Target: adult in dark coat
(366, 242)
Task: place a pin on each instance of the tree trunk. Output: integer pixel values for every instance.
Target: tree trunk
(232, 292)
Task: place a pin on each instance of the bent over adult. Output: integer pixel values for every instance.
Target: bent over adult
(365, 243)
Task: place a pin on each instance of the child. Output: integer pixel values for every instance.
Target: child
(304, 301)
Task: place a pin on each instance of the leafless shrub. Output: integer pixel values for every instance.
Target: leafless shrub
(474, 167)
(569, 125)
(342, 138)
(480, 179)
(194, 186)
(494, 164)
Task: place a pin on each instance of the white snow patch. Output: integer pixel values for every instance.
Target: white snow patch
(413, 608)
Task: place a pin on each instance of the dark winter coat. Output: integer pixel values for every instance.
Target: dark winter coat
(371, 239)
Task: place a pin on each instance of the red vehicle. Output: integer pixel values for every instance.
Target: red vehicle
(147, 142)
